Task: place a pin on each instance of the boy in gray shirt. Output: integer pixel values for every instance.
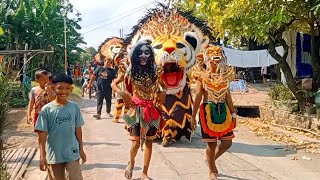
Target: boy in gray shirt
(60, 134)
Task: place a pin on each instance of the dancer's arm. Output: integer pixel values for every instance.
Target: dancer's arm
(162, 92)
(93, 77)
(115, 83)
(231, 108)
(125, 96)
(229, 102)
(196, 104)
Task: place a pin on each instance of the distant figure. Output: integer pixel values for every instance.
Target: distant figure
(264, 75)
(76, 72)
(104, 75)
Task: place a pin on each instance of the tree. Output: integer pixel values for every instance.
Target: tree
(40, 24)
(264, 21)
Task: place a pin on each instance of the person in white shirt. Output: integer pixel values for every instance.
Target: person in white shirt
(264, 75)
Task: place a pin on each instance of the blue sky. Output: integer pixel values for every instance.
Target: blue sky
(105, 18)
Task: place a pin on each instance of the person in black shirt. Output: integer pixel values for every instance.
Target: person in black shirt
(105, 75)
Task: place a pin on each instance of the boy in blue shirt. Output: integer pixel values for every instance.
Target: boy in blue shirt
(60, 134)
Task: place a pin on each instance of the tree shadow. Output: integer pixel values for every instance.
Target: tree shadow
(100, 143)
(87, 103)
(106, 166)
(227, 177)
(196, 142)
(261, 150)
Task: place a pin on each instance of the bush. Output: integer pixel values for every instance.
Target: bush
(280, 92)
(4, 108)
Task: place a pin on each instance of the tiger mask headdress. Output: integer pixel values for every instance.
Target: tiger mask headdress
(177, 37)
(216, 55)
(111, 48)
(176, 56)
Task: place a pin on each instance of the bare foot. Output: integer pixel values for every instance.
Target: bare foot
(212, 176)
(145, 177)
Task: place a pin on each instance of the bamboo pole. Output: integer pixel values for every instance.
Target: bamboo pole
(20, 162)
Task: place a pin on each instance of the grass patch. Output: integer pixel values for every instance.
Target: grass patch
(77, 90)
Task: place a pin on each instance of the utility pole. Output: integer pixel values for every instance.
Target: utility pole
(65, 38)
(121, 32)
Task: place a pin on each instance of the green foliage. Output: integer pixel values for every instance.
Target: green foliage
(308, 95)
(263, 21)
(251, 19)
(280, 92)
(77, 89)
(41, 25)
(19, 98)
(4, 108)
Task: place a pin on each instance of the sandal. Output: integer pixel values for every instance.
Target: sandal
(216, 178)
(216, 172)
(128, 171)
(144, 177)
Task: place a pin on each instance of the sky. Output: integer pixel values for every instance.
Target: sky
(102, 19)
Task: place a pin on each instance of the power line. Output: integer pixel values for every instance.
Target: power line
(112, 22)
(140, 7)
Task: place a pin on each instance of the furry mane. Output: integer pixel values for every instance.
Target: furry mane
(106, 41)
(161, 7)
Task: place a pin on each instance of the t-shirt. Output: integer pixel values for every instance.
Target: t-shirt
(86, 72)
(104, 78)
(263, 70)
(60, 123)
(40, 97)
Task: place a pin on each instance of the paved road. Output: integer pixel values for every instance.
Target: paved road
(251, 157)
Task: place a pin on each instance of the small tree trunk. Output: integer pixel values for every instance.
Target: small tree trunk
(283, 64)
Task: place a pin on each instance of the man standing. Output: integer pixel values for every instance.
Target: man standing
(264, 75)
(104, 74)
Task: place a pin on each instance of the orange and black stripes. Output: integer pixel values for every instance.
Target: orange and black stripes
(118, 109)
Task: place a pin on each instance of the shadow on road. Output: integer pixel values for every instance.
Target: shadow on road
(261, 150)
(86, 103)
(106, 166)
(100, 143)
(225, 177)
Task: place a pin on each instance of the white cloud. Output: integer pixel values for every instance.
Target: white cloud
(94, 11)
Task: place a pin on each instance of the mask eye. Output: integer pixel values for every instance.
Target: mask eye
(159, 46)
(180, 45)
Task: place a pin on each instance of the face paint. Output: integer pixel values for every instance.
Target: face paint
(144, 54)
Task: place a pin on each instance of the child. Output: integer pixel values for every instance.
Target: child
(217, 113)
(39, 95)
(60, 133)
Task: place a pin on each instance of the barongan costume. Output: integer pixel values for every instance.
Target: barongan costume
(176, 38)
(111, 48)
(215, 118)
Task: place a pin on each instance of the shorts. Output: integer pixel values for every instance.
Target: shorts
(57, 171)
(35, 117)
(135, 133)
(206, 138)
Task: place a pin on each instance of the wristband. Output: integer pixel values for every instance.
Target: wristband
(234, 115)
